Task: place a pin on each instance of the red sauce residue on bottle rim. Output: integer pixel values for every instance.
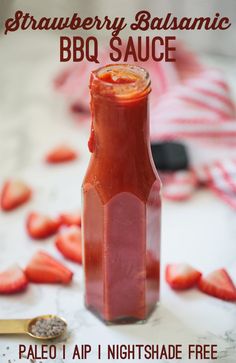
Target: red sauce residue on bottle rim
(120, 82)
(116, 78)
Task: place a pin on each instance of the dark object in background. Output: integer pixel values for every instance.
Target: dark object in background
(170, 156)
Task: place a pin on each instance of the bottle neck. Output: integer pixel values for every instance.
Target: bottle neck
(121, 129)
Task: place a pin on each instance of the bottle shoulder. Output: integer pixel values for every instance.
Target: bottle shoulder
(111, 181)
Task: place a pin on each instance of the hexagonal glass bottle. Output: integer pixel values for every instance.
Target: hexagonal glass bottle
(121, 199)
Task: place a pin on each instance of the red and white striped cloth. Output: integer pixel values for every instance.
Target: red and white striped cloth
(190, 103)
(199, 107)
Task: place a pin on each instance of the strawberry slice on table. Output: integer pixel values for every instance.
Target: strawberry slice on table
(14, 193)
(40, 226)
(61, 154)
(13, 280)
(70, 219)
(68, 242)
(43, 268)
(218, 284)
(181, 276)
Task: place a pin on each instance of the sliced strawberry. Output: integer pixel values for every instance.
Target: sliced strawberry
(45, 269)
(61, 154)
(40, 226)
(68, 242)
(181, 276)
(12, 280)
(14, 194)
(70, 219)
(218, 284)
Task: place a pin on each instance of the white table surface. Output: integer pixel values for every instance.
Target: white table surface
(201, 231)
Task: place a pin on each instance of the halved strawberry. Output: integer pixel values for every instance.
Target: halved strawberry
(12, 280)
(61, 154)
(68, 242)
(218, 284)
(14, 193)
(181, 276)
(70, 219)
(40, 226)
(45, 269)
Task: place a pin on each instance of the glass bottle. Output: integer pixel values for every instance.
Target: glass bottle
(121, 199)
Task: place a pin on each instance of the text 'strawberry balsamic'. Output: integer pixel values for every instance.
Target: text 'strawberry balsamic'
(121, 199)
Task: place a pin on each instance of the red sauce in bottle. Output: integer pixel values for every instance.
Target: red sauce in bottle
(121, 199)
